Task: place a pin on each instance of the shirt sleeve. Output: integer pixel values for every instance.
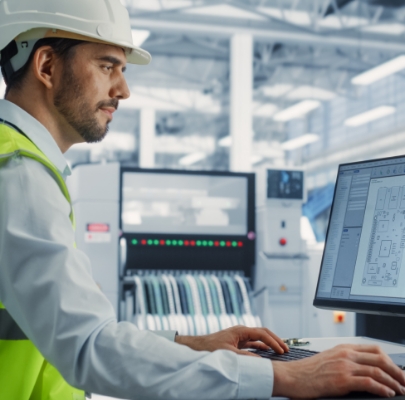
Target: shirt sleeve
(47, 287)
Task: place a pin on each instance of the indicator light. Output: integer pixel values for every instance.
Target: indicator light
(192, 243)
(134, 242)
(210, 243)
(234, 244)
(186, 243)
(169, 242)
(228, 244)
(162, 242)
(223, 244)
(156, 242)
(204, 243)
(240, 244)
(283, 241)
(198, 243)
(174, 242)
(216, 243)
(143, 242)
(150, 242)
(181, 243)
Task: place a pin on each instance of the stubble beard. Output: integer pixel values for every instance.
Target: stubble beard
(76, 109)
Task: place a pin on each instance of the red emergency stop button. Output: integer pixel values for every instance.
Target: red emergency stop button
(283, 241)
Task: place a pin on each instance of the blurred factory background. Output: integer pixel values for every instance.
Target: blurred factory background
(238, 85)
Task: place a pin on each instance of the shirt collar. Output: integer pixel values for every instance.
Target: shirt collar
(36, 132)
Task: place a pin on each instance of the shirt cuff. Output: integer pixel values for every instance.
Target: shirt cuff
(256, 378)
(169, 335)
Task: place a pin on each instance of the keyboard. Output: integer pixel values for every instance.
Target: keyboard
(294, 354)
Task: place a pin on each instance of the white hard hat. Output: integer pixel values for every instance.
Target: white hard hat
(100, 21)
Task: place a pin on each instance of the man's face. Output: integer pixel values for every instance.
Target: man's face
(90, 88)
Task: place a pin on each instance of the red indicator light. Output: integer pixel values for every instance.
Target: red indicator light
(98, 228)
(240, 244)
(192, 243)
(162, 242)
(283, 241)
(143, 241)
(216, 244)
(186, 243)
(228, 244)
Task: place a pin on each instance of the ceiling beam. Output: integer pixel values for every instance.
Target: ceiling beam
(218, 28)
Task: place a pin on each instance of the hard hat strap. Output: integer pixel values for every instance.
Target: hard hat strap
(6, 55)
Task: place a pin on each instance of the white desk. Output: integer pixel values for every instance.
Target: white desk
(321, 344)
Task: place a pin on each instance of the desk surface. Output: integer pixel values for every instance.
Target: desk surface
(321, 344)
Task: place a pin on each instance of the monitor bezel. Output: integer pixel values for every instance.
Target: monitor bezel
(361, 306)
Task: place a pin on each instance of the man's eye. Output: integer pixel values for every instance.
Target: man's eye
(108, 67)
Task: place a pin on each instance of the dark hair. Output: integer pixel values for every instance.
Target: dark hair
(63, 48)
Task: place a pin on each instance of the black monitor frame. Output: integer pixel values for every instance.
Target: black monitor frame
(208, 258)
(360, 306)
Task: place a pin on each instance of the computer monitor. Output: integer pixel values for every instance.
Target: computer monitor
(363, 266)
(185, 203)
(285, 184)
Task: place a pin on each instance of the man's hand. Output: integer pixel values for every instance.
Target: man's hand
(236, 339)
(336, 372)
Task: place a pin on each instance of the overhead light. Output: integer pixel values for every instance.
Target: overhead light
(296, 111)
(299, 142)
(265, 110)
(276, 90)
(369, 116)
(256, 159)
(139, 36)
(311, 92)
(387, 29)
(192, 159)
(225, 141)
(382, 71)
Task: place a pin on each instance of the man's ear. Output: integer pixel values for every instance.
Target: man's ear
(43, 65)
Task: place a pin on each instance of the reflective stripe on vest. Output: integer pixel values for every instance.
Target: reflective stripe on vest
(24, 373)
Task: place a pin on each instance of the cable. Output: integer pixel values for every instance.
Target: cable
(223, 317)
(236, 316)
(212, 319)
(202, 327)
(140, 304)
(180, 317)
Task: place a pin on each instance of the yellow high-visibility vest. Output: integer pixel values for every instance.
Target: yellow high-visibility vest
(24, 373)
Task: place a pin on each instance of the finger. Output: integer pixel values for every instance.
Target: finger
(269, 338)
(280, 341)
(383, 362)
(367, 384)
(380, 376)
(255, 345)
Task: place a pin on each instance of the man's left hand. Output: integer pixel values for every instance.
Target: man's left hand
(236, 339)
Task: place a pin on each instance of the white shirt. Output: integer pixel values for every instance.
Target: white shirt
(47, 287)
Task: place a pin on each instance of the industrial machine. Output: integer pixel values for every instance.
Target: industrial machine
(170, 249)
(287, 269)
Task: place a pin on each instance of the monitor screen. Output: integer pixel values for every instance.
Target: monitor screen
(363, 266)
(284, 184)
(176, 203)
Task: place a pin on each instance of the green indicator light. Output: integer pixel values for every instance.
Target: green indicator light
(223, 244)
(150, 242)
(174, 242)
(181, 243)
(156, 242)
(235, 244)
(210, 243)
(205, 243)
(134, 242)
(198, 243)
(168, 242)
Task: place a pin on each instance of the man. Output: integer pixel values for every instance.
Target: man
(63, 63)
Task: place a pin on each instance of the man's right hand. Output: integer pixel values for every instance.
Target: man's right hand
(336, 372)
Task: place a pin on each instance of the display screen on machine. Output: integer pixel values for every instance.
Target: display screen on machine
(364, 250)
(184, 204)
